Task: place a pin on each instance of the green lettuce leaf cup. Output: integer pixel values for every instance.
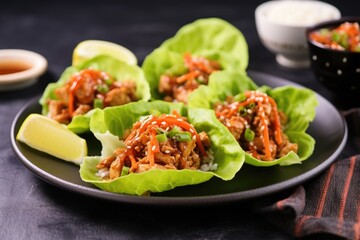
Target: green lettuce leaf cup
(212, 38)
(298, 104)
(110, 123)
(120, 70)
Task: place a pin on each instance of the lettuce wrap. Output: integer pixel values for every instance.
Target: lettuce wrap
(298, 104)
(111, 123)
(119, 70)
(212, 38)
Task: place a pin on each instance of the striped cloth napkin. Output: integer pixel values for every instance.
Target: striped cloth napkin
(325, 207)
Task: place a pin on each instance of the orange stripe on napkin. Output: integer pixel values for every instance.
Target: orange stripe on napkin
(324, 191)
(346, 188)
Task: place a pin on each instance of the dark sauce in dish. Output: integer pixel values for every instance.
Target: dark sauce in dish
(13, 66)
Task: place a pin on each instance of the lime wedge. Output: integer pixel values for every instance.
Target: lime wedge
(91, 48)
(49, 136)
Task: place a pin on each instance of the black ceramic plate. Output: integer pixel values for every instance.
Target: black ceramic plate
(329, 130)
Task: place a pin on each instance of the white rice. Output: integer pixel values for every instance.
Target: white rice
(103, 173)
(208, 162)
(301, 12)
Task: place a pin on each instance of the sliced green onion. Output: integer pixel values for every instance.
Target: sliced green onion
(109, 81)
(174, 131)
(344, 41)
(335, 36)
(249, 134)
(160, 130)
(98, 103)
(201, 81)
(240, 97)
(251, 105)
(161, 138)
(324, 31)
(102, 88)
(144, 118)
(242, 111)
(183, 136)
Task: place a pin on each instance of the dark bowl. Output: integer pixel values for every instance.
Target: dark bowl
(338, 71)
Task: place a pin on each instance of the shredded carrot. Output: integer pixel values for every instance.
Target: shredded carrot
(188, 61)
(153, 147)
(75, 84)
(260, 99)
(277, 122)
(150, 126)
(176, 113)
(198, 63)
(134, 164)
(345, 36)
(235, 106)
(77, 80)
(265, 130)
(171, 120)
(198, 70)
(188, 76)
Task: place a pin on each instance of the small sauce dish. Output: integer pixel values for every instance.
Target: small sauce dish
(20, 68)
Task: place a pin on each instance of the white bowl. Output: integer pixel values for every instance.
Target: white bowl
(20, 68)
(281, 26)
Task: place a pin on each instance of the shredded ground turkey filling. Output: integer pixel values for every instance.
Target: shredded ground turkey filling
(166, 141)
(257, 124)
(86, 90)
(177, 88)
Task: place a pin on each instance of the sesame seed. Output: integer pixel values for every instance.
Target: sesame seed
(344, 60)
(327, 64)
(153, 148)
(339, 72)
(314, 57)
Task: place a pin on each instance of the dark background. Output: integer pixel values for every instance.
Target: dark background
(33, 209)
